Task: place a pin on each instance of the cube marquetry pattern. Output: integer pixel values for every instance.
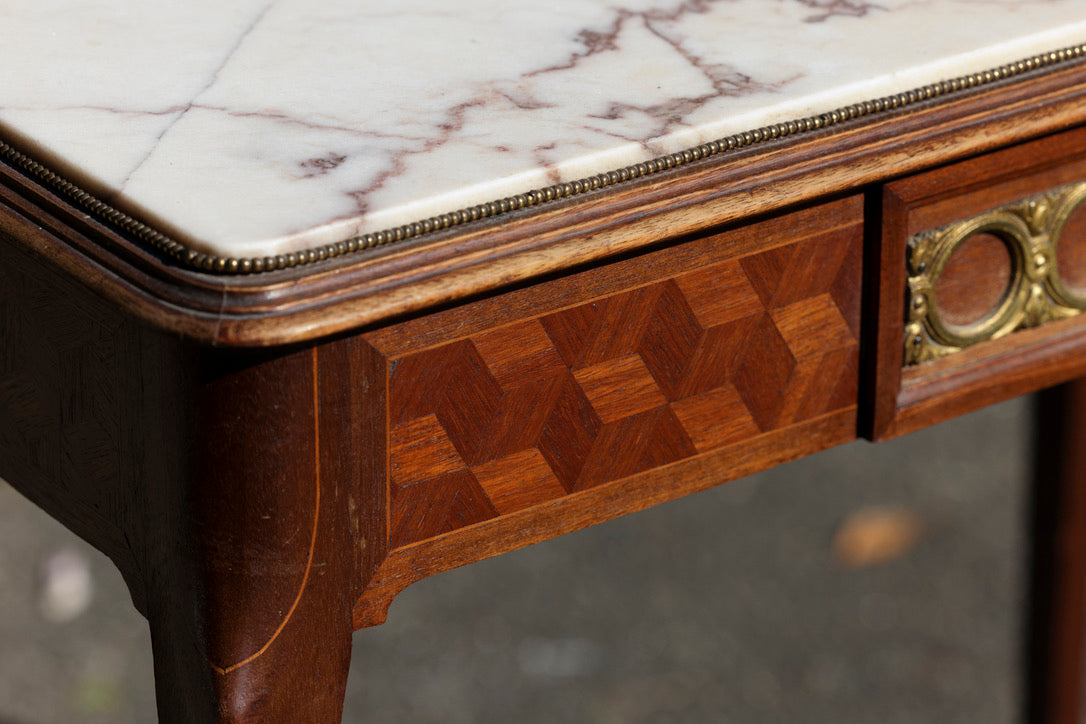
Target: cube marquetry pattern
(540, 407)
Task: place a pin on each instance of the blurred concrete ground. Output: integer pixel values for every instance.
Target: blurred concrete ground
(727, 606)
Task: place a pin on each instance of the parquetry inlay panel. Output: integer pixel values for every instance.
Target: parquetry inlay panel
(546, 406)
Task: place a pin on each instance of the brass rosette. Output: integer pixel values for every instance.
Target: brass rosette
(1036, 292)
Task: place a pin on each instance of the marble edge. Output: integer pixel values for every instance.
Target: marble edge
(189, 254)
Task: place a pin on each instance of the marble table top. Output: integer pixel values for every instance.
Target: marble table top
(257, 127)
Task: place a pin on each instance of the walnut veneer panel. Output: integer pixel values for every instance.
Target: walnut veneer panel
(519, 400)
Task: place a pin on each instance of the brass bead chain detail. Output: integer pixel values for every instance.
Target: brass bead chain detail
(230, 265)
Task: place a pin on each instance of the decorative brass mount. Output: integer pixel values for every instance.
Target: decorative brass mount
(1035, 294)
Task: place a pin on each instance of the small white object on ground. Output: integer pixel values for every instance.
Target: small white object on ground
(67, 586)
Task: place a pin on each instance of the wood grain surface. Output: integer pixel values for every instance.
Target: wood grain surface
(975, 280)
(1071, 252)
(77, 381)
(619, 371)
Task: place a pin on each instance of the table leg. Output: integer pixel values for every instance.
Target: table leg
(243, 653)
(253, 577)
(1057, 607)
(227, 486)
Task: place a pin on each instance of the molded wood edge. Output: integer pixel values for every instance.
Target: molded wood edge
(357, 291)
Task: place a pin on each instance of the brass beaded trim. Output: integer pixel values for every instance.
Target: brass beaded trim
(537, 197)
(1036, 293)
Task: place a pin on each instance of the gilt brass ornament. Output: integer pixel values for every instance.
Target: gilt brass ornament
(1035, 294)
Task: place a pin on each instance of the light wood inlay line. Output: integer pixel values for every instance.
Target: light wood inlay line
(313, 537)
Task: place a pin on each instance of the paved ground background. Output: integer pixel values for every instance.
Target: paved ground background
(726, 606)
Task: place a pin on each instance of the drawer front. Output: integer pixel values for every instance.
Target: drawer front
(983, 282)
(619, 372)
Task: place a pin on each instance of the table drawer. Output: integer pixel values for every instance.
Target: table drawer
(983, 281)
(618, 377)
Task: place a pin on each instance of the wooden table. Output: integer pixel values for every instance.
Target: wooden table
(271, 447)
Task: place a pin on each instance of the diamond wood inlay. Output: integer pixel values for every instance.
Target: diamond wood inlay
(599, 388)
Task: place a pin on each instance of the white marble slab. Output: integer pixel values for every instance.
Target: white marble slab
(250, 127)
